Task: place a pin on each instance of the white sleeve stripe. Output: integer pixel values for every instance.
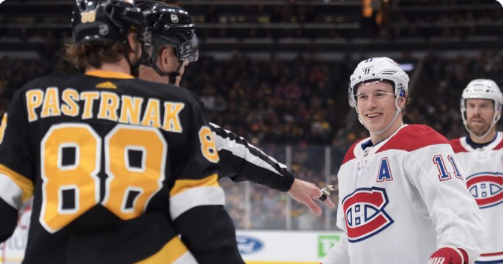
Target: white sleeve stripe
(273, 159)
(194, 197)
(186, 258)
(460, 254)
(10, 192)
(241, 151)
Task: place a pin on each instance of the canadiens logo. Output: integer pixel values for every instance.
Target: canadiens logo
(365, 214)
(486, 188)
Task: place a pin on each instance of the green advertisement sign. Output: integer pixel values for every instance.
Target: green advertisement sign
(325, 243)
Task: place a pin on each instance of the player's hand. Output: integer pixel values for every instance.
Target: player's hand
(448, 255)
(306, 193)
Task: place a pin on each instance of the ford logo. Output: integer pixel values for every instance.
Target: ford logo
(248, 245)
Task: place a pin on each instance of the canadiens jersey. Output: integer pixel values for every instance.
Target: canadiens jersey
(242, 161)
(402, 199)
(117, 167)
(483, 168)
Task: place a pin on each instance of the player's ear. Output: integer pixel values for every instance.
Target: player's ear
(133, 41)
(402, 101)
(163, 59)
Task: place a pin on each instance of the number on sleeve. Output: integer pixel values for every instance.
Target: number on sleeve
(442, 169)
(208, 146)
(455, 167)
(443, 173)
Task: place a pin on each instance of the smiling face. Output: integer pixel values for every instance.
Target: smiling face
(376, 107)
(479, 115)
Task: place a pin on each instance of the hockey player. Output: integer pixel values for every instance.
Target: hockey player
(175, 44)
(106, 156)
(402, 197)
(481, 155)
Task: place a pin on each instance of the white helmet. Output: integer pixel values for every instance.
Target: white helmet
(376, 69)
(482, 89)
(379, 69)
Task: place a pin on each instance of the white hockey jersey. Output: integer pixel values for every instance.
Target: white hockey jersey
(402, 199)
(483, 168)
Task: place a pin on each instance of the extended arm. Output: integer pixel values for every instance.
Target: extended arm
(241, 161)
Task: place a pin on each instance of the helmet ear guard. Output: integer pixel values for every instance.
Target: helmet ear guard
(402, 92)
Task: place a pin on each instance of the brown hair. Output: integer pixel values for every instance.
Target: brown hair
(94, 53)
(407, 102)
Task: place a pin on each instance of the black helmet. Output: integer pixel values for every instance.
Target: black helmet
(170, 25)
(102, 20)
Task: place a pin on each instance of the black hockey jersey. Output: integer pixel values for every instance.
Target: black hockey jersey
(117, 168)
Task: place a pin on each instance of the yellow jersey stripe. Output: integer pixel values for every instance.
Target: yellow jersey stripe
(109, 74)
(173, 252)
(183, 185)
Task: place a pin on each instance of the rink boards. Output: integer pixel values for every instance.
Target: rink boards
(256, 247)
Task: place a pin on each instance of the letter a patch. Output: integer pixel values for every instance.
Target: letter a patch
(384, 171)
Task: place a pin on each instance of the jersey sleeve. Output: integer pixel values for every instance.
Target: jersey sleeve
(440, 183)
(16, 184)
(241, 161)
(197, 200)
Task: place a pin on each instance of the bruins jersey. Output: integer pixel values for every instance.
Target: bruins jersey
(117, 167)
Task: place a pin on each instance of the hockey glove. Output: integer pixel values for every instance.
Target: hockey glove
(448, 255)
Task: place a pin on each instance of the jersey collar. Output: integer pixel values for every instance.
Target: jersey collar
(368, 148)
(109, 74)
(465, 142)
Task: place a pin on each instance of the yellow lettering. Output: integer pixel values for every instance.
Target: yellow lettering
(130, 110)
(70, 106)
(108, 106)
(33, 101)
(152, 115)
(51, 103)
(89, 98)
(172, 116)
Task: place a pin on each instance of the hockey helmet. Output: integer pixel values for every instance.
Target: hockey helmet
(378, 69)
(105, 20)
(170, 25)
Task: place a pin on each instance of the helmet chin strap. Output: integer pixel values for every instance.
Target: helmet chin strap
(397, 113)
(133, 67)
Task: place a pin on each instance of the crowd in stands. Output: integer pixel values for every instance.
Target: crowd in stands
(302, 103)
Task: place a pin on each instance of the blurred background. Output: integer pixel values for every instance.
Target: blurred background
(276, 72)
